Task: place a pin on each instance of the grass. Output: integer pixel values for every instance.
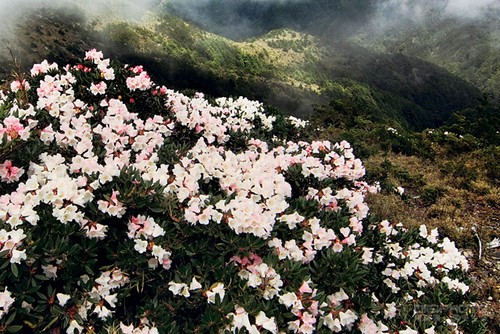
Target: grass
(455, 195)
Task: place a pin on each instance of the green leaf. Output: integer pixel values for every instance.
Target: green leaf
(10, 319)
(5, 252)
(14, 269)
(14, 329)
(53, 321)
(89, 270)
(157, 209)
(4, 264)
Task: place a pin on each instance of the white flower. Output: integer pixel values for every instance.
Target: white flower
(288, 299)
(102, 311)
(63, 298)
(239, 319)
(140, 245)
(50, 271)
(215, 289)
(430, 330)
(194, 285)
(17, 256)
(390, 311)
(263, 321)
(73, 325)
(332, 323)
(347, 318)
(6, 301)
(367, 256)
(179, 289)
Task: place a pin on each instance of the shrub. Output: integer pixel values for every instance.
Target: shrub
(126, 207)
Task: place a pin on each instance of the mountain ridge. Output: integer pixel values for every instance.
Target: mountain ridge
(291, 70)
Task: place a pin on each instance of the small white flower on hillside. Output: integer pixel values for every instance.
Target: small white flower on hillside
(74, 325)
(50, 271)
(215, 289)
(194, 285)
(179, 289)
(347, 318)
(263, 321)
(63, 298)
(430, 330)
(390, 311)
(297, 122)
(392, 130)
(6, 301)
(288, 299)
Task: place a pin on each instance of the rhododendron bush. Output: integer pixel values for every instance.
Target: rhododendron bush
(126, 207)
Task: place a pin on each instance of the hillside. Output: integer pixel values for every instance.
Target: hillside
(469, 49)
(418, 103)
(290, 70)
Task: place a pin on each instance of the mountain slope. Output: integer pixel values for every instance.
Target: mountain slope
(469, 49)
(291, 70)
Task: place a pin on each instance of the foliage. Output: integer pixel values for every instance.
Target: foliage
(128, 207)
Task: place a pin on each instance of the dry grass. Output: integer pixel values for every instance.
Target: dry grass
(466, 210)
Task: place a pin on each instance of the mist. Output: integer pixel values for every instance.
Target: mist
(125, 9)
(394, 12)
(20, 18)
(240, 19)
(13, 12)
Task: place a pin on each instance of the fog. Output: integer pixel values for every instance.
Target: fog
(127, 9)
(241, 19)
(13, 14)
(248, 18)
(14, 11)
(397, 11)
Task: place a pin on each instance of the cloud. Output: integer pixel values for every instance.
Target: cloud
(419, 9)
(471, 8)
(13, 12)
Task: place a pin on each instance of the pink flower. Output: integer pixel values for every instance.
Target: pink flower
(93, 55)
(17, 85)
(141, 82)
(367, 326)
(43, 67)
(12, 127)
(113, 207)
(10, 173)
(137, 69)
(305, 288)
(99, 88)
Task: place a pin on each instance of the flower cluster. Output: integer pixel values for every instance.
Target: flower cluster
(142, 210)
(9, 243)
(6, 301)
(240, 319)
(101, 299)
(259, 275)
(143, 230)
